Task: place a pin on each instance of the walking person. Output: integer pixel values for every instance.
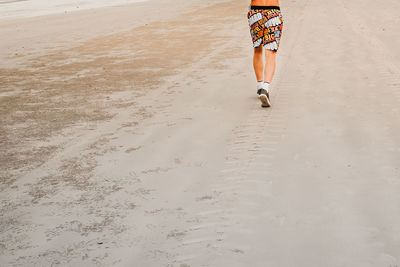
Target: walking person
(266, 23)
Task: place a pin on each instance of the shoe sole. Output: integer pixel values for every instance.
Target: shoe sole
(265, 103)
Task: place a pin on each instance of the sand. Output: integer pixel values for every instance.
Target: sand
(128, 141)
(10, 9)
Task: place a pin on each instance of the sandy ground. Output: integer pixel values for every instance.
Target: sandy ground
(128, 141)
(11, 9)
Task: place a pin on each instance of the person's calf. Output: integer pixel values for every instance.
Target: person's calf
(258, 63)
(270, 63)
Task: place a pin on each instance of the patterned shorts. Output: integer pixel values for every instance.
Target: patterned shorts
(266, 24)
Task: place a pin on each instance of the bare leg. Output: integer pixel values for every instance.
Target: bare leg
(258, 63)
(270, 58)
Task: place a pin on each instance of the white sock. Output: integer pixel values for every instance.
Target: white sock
(266, 86)
(260, 84)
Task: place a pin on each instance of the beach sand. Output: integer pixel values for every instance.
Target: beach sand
(132, 136)
(11, 9)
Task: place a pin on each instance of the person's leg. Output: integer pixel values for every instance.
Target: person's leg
(269, 70)
(270, 62)
(258, 63)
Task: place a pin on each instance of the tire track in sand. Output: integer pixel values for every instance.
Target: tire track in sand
(237, 198)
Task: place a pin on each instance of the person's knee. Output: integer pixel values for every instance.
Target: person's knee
(258, 50)
(270, 52)
(270, 55)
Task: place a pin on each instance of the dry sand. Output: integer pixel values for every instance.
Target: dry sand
(127, 141)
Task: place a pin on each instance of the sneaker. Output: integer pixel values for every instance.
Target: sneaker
(263, 95)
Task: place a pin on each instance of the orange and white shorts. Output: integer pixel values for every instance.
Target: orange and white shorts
(266, 24)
